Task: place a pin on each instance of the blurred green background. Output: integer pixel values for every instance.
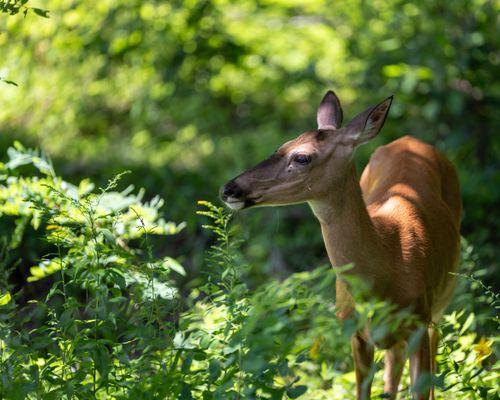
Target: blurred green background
(186, 94)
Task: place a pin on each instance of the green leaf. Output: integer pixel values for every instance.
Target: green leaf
(41, 12)
(178, 339)
(174, 265)
(424, 383)
(102, 360)
(8, 81)
(297, 391)
(85, 187)
(205, 341)
(186, 365)
(415, 339)
(5, 299)
(186, 393)
(108, 235)
(468, 322)
(214, 370)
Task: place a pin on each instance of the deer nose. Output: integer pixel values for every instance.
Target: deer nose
(231, 189)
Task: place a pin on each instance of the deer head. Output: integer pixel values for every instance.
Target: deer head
(312, 165)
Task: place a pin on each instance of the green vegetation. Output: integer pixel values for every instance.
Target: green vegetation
(112, 324)
(102, 297)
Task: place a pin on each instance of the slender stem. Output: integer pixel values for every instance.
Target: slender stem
(63, 280)
(90, 213)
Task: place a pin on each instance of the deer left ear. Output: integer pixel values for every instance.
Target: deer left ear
(329, 115)
(367, 125)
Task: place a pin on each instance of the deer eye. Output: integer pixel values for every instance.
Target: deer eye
(302, 159)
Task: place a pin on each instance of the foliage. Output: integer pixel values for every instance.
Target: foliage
(185, 94)
(256, 339)
(13, 7)
(75, 219)
(107, 295)
(188, 93)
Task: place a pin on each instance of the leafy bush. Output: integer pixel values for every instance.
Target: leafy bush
(103, 315)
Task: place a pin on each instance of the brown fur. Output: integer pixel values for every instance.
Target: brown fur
(413, 198)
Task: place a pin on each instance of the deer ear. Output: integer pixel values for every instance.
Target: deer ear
(367, 125)
(329, 115)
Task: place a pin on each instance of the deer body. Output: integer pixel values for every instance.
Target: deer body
(399, 226)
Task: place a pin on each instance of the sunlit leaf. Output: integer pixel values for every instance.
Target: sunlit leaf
(5, 299)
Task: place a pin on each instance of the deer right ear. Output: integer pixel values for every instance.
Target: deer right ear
(367, 125)
(329, 115)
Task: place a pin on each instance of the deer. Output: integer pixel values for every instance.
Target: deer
(398, 226)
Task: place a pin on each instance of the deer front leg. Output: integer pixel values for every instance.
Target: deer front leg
(362, 353)
(433, 342)
(395, 358)
(420, 365)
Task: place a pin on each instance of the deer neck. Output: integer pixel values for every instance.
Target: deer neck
(348, 231)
